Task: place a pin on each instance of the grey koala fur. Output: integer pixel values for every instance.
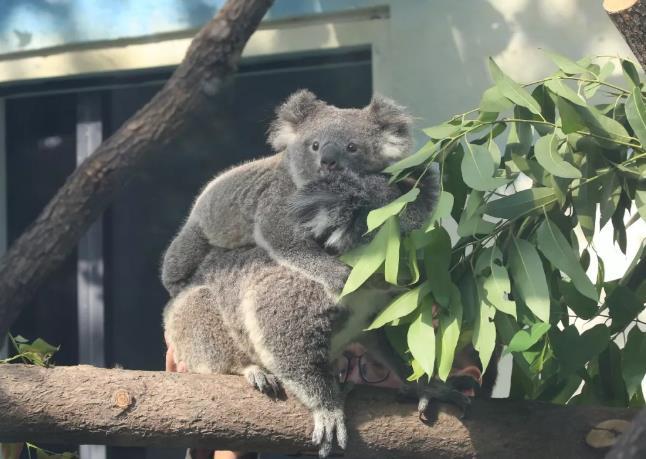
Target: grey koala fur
(248, 204)
(244, 313)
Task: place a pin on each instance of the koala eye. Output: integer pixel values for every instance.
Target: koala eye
(351, 147)
(315, 146)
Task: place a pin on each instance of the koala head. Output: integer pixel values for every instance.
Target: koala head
(320, 139)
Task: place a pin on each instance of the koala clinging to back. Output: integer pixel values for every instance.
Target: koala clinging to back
(248, 204)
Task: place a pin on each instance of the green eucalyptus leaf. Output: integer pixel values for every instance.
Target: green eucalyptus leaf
(450, 321)
(421, 156)
(484, 332)
(471, 222)
(377, 217)
(558, 87)
(437, 260)
(519, 140)
(421, 338)
(391, 264)
(630, 72)
(526, 338)
(590, 89)
(493, 101)
(570, 119)
(640, 202)
(636, 114)
(520, 203)
(442, 210)
(566, 64)
(442, 131)
(478, 169)
(586, 197)
(512, 90)
(403, 305)
(496, 285)
(529, 278)
(548, 156)
(574, 351)
(583, 307)
(610, 193)
(372, 257)
(623, 306)
(633, 363)
(556, 249)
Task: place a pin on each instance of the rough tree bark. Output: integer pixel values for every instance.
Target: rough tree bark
(136, 408)
(210, 61)
(629, 16)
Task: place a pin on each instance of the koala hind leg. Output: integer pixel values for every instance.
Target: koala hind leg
(298, 351)
(183, 256)
(263, 381)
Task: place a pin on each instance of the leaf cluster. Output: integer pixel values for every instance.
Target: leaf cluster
(524, 173)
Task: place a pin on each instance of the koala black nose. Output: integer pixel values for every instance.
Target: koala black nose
(330, 156)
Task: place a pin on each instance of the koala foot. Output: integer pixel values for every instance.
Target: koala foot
(437, 391)
(263, 381)
(326, 424)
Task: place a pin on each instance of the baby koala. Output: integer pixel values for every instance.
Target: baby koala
(249, 204)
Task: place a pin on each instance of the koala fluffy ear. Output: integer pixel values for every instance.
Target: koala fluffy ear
(395, 124)
(289, 115)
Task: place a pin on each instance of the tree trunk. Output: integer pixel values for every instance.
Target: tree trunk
(135, 408)
(629, 16)
(210, 61)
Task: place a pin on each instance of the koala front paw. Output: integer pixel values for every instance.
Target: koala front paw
(327, 423)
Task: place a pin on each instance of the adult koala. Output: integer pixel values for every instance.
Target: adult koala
(244, 313)
(249, 204)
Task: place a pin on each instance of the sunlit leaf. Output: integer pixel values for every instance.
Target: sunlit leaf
(556, 249)
(377, 217)
(421, 338)
(526, 338)
(391, 264)
(450, 321)
(372, 257)
(403, 305)
(529, 278)
(484, 332)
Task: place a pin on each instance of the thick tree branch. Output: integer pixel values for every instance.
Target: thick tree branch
(135, 408)
(629, 16)
(210, 61)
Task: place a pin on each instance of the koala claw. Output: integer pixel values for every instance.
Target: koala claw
(263, 381)
(326, 423)
(438, 391)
